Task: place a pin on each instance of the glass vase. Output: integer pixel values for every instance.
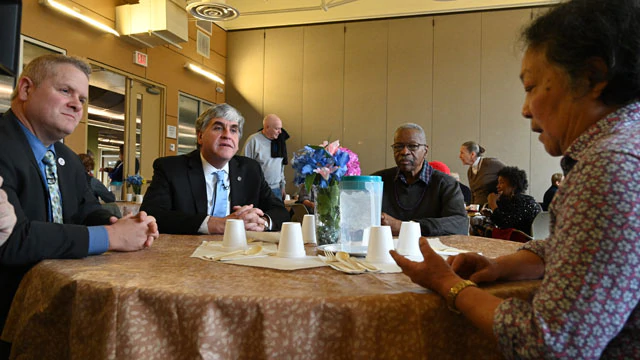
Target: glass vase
(327, 211)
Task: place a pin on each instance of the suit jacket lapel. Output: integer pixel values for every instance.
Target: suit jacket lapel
(65, 179)
(235, 180)
(197, 181)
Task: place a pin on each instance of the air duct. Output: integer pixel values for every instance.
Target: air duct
(153, 22)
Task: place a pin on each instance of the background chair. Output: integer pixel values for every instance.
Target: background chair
(540, 225)
(510, 234)
(298, 211)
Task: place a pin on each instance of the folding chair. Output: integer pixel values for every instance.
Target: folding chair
(540, 225)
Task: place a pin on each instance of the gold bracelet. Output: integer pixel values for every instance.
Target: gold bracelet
(453, 294)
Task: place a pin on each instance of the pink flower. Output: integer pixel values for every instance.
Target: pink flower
(331, 148)
(324, 172)
(353, 166)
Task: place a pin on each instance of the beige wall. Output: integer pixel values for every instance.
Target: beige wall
(455, 75)
(166, 63)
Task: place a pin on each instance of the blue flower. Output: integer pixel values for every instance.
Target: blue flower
(314, 165)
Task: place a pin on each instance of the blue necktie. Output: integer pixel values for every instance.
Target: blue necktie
(220, 194)
(51, 171)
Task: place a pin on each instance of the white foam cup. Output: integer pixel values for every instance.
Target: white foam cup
(380, 242)
(234, 237)
(365, 236)
(291, 244)
(309, 229)
(129, 197)
(409, 238)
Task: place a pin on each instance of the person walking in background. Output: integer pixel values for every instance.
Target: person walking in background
(581, 78)
(269, 149)
(482, 173)
(99, 190)
(556, 179)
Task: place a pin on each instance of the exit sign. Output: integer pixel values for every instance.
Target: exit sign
(140, 58)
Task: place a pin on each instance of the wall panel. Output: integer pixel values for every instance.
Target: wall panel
(503, 130)
(283, 63)
(322, 85)
(365, 92)
(245, 90)
(456, 86)
(410, 77)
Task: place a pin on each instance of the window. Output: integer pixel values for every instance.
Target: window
(189, 108)
(30, 49)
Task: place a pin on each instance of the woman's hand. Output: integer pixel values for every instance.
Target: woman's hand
(433, 273)
(475, 267)
(492, 200)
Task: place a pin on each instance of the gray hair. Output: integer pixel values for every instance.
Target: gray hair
(473, 146)
(223, 111)
(42, 67)
(413, 127)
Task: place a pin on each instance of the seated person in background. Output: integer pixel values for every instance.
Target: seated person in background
(99, 190)
(466, 192)
(556, 179)
(510, 207)
(482, 173)
(186, 197)
(413, 191)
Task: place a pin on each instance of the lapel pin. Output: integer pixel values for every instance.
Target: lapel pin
(61, 161)
(239, 178)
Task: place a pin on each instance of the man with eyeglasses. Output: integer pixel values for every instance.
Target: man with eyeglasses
(414, 191)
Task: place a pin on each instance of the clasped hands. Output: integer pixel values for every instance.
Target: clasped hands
(132, 232)
(254, 219)
(436, 274)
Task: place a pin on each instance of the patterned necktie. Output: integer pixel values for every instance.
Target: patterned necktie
(51, 172)
(220, 194)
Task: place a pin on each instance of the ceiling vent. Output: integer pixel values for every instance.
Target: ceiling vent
(154, 22)
(212, 10)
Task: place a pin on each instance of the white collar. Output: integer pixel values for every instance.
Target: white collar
(476, 165)
(208, 168)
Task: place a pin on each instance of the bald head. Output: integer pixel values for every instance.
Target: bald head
(271, 126)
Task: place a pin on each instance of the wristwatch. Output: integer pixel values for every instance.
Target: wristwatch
(453, 294)
(267, 221)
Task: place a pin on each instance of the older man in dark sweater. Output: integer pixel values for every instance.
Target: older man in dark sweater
(414, 191)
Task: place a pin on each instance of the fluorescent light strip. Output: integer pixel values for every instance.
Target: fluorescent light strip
(56, 5)
(106, 113)
(204, 73)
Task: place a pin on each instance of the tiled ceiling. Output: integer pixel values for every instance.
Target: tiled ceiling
(272, 13)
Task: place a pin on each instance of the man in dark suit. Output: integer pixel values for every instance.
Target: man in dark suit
(184, 189)
(57, 215)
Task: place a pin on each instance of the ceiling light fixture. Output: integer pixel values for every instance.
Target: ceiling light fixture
(212, 10)
(56, 4)
(204, 73)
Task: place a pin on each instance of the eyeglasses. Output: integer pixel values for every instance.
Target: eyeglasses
(412, 147)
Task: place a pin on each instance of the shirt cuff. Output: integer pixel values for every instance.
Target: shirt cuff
(204, 227)
(98, 240)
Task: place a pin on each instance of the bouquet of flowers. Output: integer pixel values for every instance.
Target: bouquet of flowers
(324, 165)
(320, 168)
(136, 181)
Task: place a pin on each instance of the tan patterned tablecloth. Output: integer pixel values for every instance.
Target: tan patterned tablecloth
(161, 304)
